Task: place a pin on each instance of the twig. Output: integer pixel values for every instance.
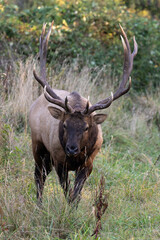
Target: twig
(101, 204)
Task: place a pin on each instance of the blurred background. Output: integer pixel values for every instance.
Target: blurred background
(86, 30)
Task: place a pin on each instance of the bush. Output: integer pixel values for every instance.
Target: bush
(88, 30)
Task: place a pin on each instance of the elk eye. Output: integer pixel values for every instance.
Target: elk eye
(64, 126)
(86, 129)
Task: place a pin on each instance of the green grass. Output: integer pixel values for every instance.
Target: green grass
(129, 160)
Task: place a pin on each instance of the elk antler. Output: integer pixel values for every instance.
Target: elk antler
(127, 68)
(43, 49)
(59, 102)
(49, 94)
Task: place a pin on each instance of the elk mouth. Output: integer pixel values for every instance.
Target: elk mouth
(72, 155)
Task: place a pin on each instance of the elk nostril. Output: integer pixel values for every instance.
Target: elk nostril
(74, 148)
(68, 149)
(71, 149)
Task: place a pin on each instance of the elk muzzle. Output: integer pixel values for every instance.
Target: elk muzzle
(71, 150)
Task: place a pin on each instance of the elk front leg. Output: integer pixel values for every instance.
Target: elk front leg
(43, 166)
(83, 173)
(62, 172)
(38, 175)
(81, 176)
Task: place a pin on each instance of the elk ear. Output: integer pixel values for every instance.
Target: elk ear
(99, 118)
(56, 113)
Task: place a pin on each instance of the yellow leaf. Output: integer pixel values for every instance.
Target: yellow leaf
(65, 23)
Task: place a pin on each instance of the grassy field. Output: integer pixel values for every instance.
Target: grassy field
(129, 161)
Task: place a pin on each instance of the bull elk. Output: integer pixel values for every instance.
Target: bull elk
(65, 129)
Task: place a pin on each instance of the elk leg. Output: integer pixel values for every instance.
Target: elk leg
(43, 167)
(38, 179)
(63, 177)
(81, 176)
(47, 166)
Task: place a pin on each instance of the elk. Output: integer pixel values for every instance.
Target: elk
(65, 129)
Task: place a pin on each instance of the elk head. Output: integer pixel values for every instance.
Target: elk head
(77, 127)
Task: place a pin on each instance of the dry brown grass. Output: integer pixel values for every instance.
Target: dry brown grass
(19, 87)
(128, 161)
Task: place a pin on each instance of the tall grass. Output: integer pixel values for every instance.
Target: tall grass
(129, 161)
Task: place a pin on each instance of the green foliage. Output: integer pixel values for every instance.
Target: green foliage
(146, 67)
(88, 30)
(152, 6)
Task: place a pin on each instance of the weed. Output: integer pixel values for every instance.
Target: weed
(101, 204)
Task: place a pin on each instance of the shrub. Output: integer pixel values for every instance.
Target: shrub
(88, 30)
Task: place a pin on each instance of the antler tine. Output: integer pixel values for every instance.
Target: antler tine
(135, 47)
(43, 49)
(59, 102)
(68, 108)
(87, 108)
(100, 105)
(43, 54)
(127, 68)
(48, 34)
(128, 64)
(42, 35)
